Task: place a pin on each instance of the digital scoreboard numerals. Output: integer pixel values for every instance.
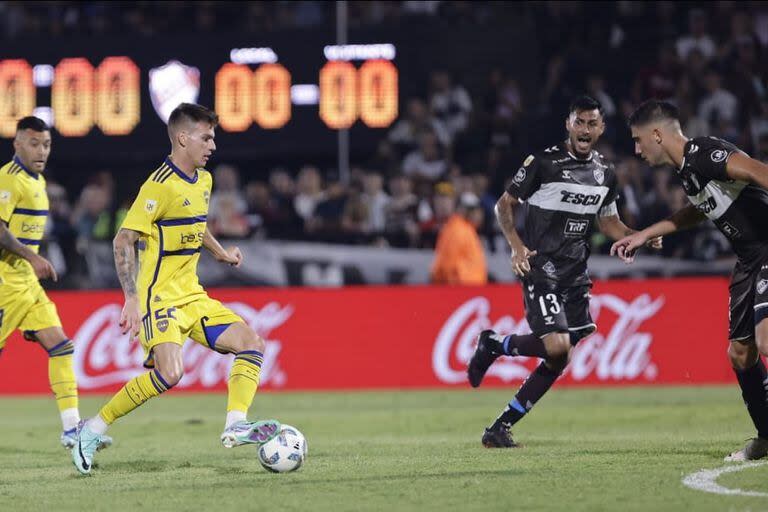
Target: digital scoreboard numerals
(17, 94)
(244, 97)
(109, 96)
(370, 93)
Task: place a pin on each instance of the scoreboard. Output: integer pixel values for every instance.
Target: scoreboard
(264, 101)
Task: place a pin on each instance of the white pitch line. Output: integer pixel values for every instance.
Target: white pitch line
(704, 480)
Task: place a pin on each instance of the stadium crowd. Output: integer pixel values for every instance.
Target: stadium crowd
(710, 60)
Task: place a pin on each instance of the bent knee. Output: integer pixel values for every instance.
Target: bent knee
(558, 346)
(742, 354)
(251, 341)
(171, 376)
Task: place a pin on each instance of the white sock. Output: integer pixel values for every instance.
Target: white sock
(233, 417)
(97, 425)
(70, 418)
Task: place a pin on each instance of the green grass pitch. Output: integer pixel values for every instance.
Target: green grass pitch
(585, 449)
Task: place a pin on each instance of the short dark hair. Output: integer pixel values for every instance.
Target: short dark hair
(585, 102)
(652, 111)
(193, 112)
(32, 123)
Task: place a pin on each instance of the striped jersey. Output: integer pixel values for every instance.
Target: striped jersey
(738, 209)
(563, 194)
(170, 212)
(24, 208)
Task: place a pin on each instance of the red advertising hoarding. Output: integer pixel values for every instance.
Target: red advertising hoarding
(649, 332)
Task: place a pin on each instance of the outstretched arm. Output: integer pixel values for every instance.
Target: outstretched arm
(232, 255)
(615, 229)
(40, 265)
(124, 247)
(682, 219)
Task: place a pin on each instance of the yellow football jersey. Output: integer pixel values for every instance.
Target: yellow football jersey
(24, 207)
(170, 212)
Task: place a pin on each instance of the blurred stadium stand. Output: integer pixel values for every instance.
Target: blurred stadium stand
(482, 84)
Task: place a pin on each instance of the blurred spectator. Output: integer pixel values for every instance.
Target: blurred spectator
(406, 132)
(697, 36)
(377, 201)
(309, 192)
(459, 255)
(450, 103)
(442, 207)
(428, 162)
(660, 80)
(226, 183)
(401, 227)
(719, 108)
(228, 221)
(91, 216)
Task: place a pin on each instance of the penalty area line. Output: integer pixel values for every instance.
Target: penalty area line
(705, 480)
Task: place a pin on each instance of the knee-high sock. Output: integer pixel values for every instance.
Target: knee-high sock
(135, 392)
(529, 393)
(753, 382)
(243, 380)
(61, 376)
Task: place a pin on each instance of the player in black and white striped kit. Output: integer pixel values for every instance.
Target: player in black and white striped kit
(568, 190)
(729, 188)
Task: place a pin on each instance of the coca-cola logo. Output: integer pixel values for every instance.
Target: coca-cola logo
(619, 351)
(105, 356)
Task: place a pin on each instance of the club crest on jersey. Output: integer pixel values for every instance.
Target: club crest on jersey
(549, 269)
(150, 205)
(5, 196)
(762, 286)
(520, 175)
(162, 325)
(599, 175)
(718, 155)
(171, 84)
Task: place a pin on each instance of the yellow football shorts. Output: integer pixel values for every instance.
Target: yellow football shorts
(25, 309)
(203, 320)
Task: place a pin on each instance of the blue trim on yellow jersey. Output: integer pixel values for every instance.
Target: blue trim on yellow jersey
(181, 174)
(162, 174)
(29, 211)
(154, 278)
(23, 168)
(183, 221)
(181, 252)
(28, 241)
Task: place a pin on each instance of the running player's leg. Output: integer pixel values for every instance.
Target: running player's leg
(61, 376)
(41, 324)
(545, 311)
(164, 359)
(222, 330)
(747, 323)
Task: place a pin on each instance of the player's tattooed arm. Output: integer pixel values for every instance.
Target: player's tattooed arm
(124, 247)
(743, 168)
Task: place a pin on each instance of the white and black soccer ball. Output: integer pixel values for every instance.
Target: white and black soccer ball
(286, 452)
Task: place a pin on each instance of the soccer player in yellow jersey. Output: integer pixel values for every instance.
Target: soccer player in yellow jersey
(23, 302)
(165, 304)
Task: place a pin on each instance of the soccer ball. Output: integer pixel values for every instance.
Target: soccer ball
(285, 452)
